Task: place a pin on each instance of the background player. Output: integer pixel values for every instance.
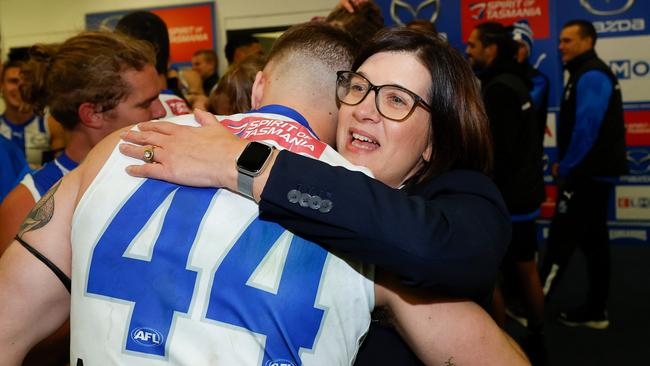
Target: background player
(38, 137)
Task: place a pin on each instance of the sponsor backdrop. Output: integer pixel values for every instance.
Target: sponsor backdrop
(623, 28)
(191, 27)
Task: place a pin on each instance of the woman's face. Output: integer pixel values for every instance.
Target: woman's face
(392, 150)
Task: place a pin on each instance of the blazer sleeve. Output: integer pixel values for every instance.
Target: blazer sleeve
(450, 235)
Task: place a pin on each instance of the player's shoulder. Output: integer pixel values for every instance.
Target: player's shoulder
(185, 120)
(94, 161)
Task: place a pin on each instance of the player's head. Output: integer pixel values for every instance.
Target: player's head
(424, 116)
(101, 81)
(149, 27)
(241, 46)
(301, 71)
(233, 92)
(488, 44)
(362, 24)
(577, 37)
(10, 81)
(205, 62)
(422, 25)
(522, 33)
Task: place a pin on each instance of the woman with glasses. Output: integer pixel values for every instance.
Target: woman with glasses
(411, 112)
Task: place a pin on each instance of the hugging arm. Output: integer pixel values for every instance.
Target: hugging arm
(444, 331)
(34, 302)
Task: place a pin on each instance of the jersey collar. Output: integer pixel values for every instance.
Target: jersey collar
(287, 112)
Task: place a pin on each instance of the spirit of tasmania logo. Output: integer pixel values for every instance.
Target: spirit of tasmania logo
(474, 12)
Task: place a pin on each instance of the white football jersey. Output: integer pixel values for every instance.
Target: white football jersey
(33, 137)
(173, 104)
(171, 275)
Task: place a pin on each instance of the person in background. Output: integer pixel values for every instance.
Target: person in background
(241, 46)
(206, 64)
(361, 24)
(519, 266)
(422, 25)
(591, 153)
(38, 137)
(13, 166)
(147, 26)
(517, 148)
(77, 93)
(522, 33)
(233, 92)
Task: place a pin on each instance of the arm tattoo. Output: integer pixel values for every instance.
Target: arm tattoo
(450, 362)
(41, 214)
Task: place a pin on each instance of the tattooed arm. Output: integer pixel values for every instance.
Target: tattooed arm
(443, 331)
(33, 302)
(42, 212)
(13, 210)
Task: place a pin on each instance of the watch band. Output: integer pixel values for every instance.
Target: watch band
(251, 163)
(245, 184)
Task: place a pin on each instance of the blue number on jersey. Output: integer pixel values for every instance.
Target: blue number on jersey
(162, 286)
(290, 312)
(158, 287)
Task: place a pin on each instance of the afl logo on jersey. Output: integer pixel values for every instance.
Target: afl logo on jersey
(147, 337)
(280, 363)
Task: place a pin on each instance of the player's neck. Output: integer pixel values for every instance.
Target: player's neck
(79, 144)
(316, 116)
(16, 116)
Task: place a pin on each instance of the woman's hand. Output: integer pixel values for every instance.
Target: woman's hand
(196, 156)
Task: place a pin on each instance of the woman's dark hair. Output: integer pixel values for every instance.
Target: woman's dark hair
(459, 129)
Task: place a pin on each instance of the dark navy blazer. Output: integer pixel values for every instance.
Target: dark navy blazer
(448, 234)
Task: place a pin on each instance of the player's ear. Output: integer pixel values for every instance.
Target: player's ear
(257, 93)
(90, 115)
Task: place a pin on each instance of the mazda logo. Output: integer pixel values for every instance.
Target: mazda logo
(395, 4)
(587, 4)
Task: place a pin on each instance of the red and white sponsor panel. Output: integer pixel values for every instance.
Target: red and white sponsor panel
(288, 134)
(475, 12)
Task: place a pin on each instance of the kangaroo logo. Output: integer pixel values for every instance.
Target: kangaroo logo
(395, 4)
(639, 161)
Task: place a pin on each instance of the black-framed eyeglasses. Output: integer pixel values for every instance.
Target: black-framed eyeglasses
(393, 102)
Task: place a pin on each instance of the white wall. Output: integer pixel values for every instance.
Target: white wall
(25, 22)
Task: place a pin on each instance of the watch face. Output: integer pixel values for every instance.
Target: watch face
(252, 159)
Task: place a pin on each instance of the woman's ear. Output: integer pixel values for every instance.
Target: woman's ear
(89, 116)
(428, 151)
(257, 93)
